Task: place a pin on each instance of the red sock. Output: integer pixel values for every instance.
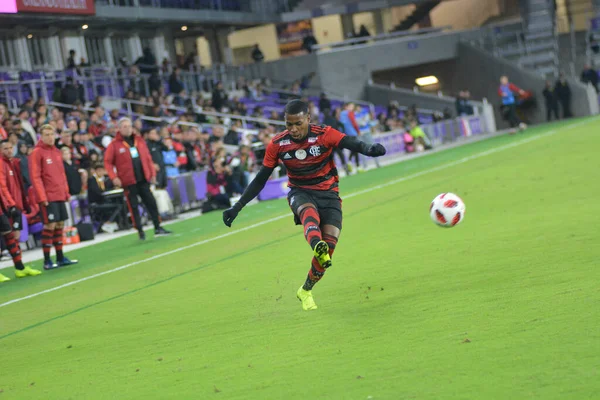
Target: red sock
(316, 272)
(331, 242)
(58, 242)
(47, 237)
(14, 249)
(311, 221)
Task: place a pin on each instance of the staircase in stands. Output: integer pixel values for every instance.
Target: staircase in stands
(533, 43)
(421, 11)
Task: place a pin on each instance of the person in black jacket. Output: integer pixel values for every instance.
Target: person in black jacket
(103, 210)
(189, 145)
(73, 177)
(98, 183)
(551, 102)
(563, 94)
(590, 75)
(70, 93)
(175, 83)
(24, 163)
(219, 97)
(156, 147)
(308, 42)
(257, 54)
(329, 118)
(147, 62)
(324, 102)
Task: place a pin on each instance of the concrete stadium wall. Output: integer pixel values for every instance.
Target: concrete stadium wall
(346, 71)
(380, 94)
(480, 71)
(285, 70)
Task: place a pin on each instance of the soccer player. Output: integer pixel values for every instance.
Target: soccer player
(13, 203)
(129, 165)
(52, 192)
(306, 150)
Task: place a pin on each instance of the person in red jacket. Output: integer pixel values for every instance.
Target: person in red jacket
(49, 181)
(129, 165)
(11, 198)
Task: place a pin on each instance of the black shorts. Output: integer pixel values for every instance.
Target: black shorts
(4, 224)
(55, 211)
(327, 202)
(17, 221)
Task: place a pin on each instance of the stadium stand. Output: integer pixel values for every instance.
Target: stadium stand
(226, 111)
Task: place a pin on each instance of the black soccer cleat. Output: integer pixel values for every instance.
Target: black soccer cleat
(66, 262)
(142, 235)
(160, 231)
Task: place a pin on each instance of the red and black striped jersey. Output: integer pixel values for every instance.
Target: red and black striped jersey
(309, 163)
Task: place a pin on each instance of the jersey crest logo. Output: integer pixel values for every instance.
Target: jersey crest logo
(121, 150)
(287, 156)
(300, 154)
(285, 142)
(48, 161)
(312, 139)
(315, 151)
(10, 172)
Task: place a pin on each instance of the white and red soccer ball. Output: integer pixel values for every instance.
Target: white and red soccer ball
(447, 210)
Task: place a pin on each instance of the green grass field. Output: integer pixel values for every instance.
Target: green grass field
(504, 306)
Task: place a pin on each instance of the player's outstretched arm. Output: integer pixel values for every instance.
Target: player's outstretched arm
(253, 189)
(353, 144)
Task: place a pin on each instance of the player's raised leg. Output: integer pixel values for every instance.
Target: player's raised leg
(315, 273)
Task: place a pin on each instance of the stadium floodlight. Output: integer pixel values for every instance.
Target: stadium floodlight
(184, 28)
(427, 80)
(84, 27)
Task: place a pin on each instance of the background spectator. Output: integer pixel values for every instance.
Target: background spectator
(590, 75)
(72, 173)
(551, 101)
(257, 54)
(563, 93)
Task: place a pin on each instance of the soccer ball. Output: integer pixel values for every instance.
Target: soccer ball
(447, 210)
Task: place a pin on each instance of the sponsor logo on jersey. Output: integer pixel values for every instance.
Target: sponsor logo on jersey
(285, 142)
(300, 154)
(121, 150)
(312, 139)
(48, 161)
(314, 151)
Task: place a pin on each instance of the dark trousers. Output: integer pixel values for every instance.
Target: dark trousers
(552, 108)
(141, 189)
(566, 107)
(511, 115)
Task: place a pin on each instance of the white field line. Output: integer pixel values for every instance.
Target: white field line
(234, 232)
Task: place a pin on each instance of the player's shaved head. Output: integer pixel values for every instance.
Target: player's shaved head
(296, 107)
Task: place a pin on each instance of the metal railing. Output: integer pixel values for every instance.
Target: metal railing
(291, 95)
(245, 119)
(380, 37)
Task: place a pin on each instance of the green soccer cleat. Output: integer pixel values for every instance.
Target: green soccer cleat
(305, 296)
(27, 271)
(322, 254)
(4, 278)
